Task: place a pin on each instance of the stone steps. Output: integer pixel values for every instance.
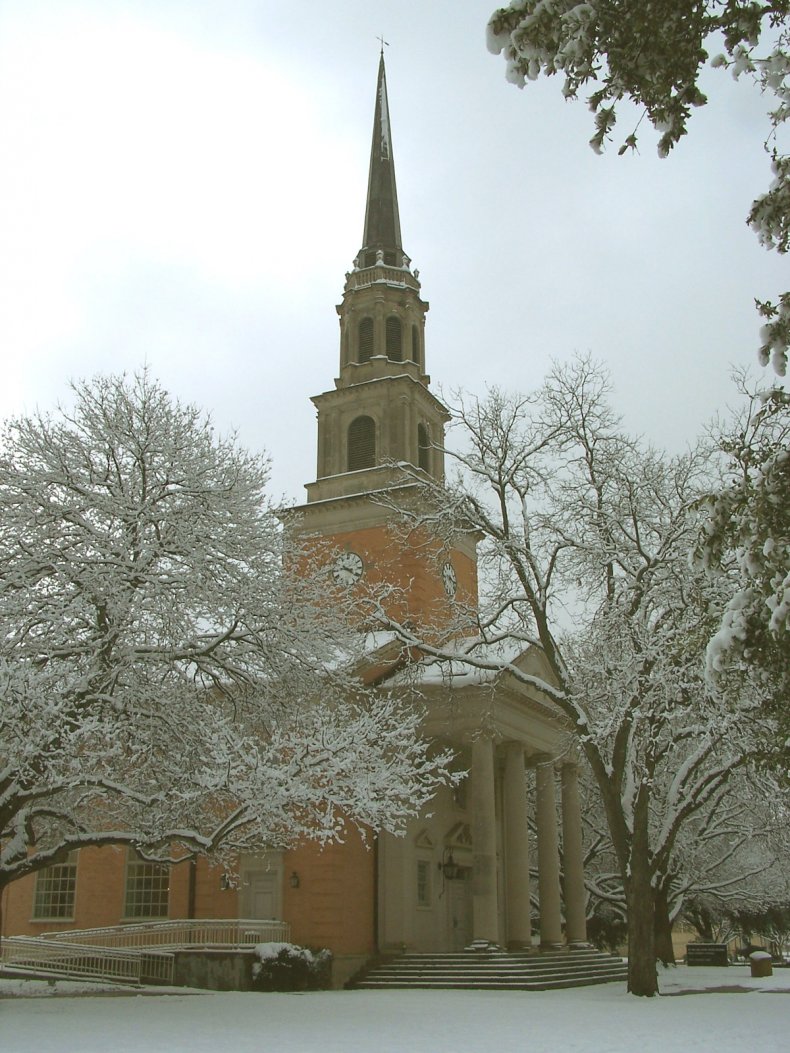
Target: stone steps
(500, 971)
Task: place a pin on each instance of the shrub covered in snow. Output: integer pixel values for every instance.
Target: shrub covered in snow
(288, 967)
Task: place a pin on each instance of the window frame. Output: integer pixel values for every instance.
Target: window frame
(393, 338)
(424, 447)
(139, 884)
(57, 875)
(366, 340)
(358, 444)
(423, 889)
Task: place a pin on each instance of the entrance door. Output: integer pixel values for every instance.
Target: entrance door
(261, 894)
(459, 910)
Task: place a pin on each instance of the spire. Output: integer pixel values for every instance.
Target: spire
(382, 223)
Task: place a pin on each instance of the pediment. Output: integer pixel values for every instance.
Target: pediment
(459, 836)
(424, 840)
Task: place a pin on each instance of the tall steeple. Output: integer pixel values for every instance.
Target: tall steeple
(380, 427)
(381, 412)
(382, 222)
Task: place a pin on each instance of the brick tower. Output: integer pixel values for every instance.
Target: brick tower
(380, 428)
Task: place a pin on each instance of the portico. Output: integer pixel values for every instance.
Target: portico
(463, 874)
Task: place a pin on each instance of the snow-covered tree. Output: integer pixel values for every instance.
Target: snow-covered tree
(653, 54)
(730, 856)
(747, 537)
(162, 682)
(585, 539)
(736, 879)
(738, 855)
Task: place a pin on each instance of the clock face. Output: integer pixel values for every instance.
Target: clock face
(449, 579)
(348, 568)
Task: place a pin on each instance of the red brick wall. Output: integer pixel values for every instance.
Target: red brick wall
(100, 895)
(415, 568)
(334, 904)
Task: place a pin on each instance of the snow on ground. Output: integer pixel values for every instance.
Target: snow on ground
(21, 986)
(602, 1019)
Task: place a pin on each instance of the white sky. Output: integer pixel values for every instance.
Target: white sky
(182, 183)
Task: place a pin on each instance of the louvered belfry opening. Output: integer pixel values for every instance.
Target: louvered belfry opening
(361, 444)
(423, 448)
(365, 340)
(394, 339)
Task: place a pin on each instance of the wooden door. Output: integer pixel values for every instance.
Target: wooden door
(262, 898)
(459, 910)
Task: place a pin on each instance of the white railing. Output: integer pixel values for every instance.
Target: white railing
(179, 933)
(361, 279)
(78, 961)
(139, 953)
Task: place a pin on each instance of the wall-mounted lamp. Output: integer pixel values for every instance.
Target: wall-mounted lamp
(294, 880)
(224, 883)
(449, 867)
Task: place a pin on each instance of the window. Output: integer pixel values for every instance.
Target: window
(423, 448)
(365, 340)
(56, 888)
(147, 887)
(394, 339)
(415, 344)
(423, 883)
(361, 444)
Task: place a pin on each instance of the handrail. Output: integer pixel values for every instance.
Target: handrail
(178, 933)
(141, 952)
(84, 961)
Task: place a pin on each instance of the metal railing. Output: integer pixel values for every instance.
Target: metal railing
(68, 960)
(179, 933)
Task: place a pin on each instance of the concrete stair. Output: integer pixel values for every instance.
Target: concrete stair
(495, 970)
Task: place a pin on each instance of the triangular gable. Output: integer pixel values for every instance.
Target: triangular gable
(424, 840)
(459, 836)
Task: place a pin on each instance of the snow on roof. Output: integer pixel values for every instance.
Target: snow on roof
(374, 641)
(458, 670)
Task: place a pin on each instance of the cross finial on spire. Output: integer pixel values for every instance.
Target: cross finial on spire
(382, 41)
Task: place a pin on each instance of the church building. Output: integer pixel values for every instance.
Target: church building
(461, 875)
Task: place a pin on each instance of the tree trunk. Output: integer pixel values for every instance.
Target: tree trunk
(640, 897)
(2, 896)
(665, 952)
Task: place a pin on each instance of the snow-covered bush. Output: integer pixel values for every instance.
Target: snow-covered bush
(288, 967)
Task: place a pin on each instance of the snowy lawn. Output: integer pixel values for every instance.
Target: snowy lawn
(67, 1019)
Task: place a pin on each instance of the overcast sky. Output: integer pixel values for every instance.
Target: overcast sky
(182, 184)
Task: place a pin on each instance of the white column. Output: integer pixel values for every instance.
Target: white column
(548, 858)
(485, 924)
(573, 857)
(519, 928)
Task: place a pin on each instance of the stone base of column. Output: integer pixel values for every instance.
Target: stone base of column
(483, 946)
(552, 946)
